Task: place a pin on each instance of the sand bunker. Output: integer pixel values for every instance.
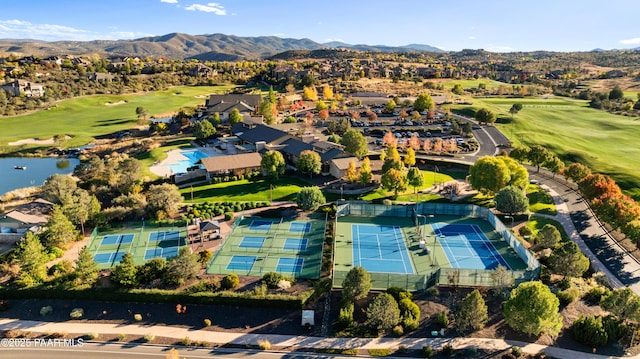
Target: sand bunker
(115, 103)
(35, 141)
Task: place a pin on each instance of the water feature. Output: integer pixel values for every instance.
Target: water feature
(192, 156)
(20, 172)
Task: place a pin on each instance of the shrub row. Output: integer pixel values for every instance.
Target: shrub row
(248, 176)
(248, 299)
(213, 209)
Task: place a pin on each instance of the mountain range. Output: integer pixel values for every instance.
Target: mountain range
(218, 47)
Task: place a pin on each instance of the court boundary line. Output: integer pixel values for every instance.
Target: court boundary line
(494, 249)
(484, 239)
(395, 229)
(295, 258)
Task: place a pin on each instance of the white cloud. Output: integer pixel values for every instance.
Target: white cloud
(634, 41)
(278, 34)
(332, 40)
(471, 38)
(210, 7)
(170, 1)
(19, 29)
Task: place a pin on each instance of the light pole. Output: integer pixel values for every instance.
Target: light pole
(419, 226)
(510, 217)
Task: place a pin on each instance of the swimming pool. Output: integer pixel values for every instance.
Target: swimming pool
(192, 156)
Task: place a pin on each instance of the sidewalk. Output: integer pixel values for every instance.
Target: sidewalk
(290, 342)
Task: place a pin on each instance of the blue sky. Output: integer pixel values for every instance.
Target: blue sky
(494, 25)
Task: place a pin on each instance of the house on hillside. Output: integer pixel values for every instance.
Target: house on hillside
(29, 217)
(19, 87)
(232, 165)
(224, 104)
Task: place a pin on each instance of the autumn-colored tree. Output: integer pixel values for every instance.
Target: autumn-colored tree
(352, 172)
(595, 185)
(414, 142)
(576, 172)
(365, 172)
(354, 115)
(372, 116)
(394, 180)
(390, 106)
(309, 93)
(389, 139)
(327, 92)
(323, 114)
(410, 157)
(403, 114)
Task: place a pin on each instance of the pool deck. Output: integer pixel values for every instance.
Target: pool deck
(163, 168)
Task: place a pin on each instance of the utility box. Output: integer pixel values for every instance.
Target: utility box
(308, 318)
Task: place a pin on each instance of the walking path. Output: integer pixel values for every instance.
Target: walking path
(290, 342)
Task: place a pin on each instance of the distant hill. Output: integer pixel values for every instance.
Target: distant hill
(384, 48)
(184, 46)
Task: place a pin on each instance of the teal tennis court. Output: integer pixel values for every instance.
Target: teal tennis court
(165, 253)
(466, 246)
(295, 244)
(108, 257)
(252, 242)
(258, 225)
(289, 265)
(117, 239)
(241, 263)
(300, 227)
(380, 248)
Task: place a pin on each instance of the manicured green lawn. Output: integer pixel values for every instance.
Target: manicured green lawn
(605, 142)
(540, 201)
(86, 117)
(284, 189)
(537, 222)
(468, 84)
(408, 195)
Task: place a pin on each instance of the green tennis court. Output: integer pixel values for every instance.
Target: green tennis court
(257, 246)
(143, 242)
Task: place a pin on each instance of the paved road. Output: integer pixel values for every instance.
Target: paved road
(579, 221)
(605, 253)
(134, 350)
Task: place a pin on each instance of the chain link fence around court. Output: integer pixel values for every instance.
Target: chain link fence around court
(441, 276)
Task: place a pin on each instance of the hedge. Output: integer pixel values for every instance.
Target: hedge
(162, 296)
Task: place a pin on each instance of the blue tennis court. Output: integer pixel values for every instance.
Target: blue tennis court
(244, 263)
(467, 247)
(300, 227)
(289, 265)
(252, 242)
(295, 244)
(117, 239)
(260, 225)
(108, 257)
(161, 252)
(380, 249)
(164, 236)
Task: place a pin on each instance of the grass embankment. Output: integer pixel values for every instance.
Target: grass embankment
(540, 201)
(87, 117)
(537, 222)
(605, 142)
(284, 189)
(408, 195)
(474, 84)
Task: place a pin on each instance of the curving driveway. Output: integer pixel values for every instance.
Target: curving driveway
(574, 213)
